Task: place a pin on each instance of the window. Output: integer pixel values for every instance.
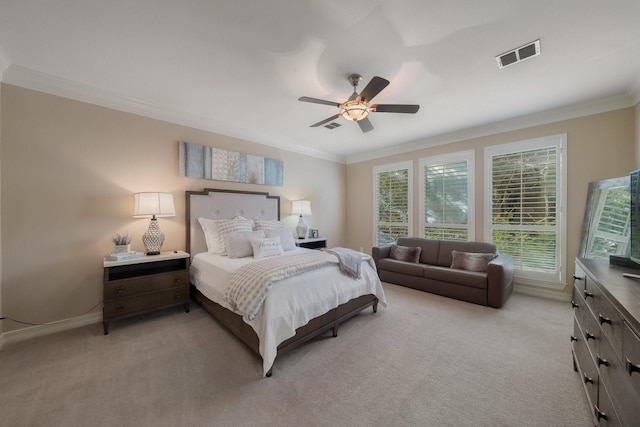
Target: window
(446, 197)
(392, 202)
(524, 214)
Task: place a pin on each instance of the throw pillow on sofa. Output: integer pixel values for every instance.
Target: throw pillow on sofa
(405, 253)
(471, 261)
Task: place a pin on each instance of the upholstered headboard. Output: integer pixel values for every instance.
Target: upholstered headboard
(214, 203)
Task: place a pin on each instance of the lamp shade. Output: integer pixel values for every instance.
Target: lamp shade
(153, 204)
(301, 207)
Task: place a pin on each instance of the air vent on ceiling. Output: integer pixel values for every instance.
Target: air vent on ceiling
(332, 125)
(521, 53)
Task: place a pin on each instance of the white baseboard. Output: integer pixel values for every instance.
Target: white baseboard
(50, 328)
(541, 292)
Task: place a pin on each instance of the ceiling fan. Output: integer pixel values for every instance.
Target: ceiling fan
(357, 107)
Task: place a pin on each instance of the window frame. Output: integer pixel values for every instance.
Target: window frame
(408, 165)
(556, 280)
(469, 157)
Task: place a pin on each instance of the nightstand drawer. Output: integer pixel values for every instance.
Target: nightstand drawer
(134, 286)
(145, 302)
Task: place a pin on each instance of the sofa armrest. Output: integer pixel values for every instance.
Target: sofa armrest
(500, 280)
(379, 252)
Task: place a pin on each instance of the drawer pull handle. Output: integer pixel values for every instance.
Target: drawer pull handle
(119, 289)
(589, 336)
(178, 295)
(577, 277)
(632, 367)
(588, 294)
(573, 338)
(600, 415)
(119, 308)
(177, 280)
(588, 379)
(602, 361)
(574, 305)
(603, 319)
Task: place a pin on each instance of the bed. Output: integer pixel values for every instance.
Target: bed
(327, 295)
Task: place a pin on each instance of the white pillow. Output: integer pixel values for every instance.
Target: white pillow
(227, 226)
(267, 224)
(238, 243)
(211, 236)
(263, 248)
(285, 235)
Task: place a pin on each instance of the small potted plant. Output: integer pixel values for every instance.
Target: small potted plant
(122, 242)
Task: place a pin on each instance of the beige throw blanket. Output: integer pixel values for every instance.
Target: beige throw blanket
(250, 283)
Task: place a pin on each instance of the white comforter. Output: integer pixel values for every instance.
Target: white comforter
(290, 303)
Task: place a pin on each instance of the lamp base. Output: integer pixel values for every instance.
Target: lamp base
(153, 238)
(301, 228)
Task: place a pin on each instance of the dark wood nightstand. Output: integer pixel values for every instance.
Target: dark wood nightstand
(312, 242)
(145, 284)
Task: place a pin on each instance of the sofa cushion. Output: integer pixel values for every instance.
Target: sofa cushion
(445, 256)
(473, 279)
(401, 267)
(405, 253)
(430, 248)
(471, 261)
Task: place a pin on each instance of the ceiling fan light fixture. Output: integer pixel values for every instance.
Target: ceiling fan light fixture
(354, 110)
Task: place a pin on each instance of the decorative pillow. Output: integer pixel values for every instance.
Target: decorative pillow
(471, 261)
(285, 235)
(263, 248)
(238, 243)
(211, 236)
(405, 253)
(227, 226)
(267, 224)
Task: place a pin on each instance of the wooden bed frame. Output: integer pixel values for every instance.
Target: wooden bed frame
(224, 204)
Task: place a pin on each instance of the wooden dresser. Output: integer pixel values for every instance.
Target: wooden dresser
(605, 340)
(145, 284)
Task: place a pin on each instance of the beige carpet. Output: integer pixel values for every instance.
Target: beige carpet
(423, 361)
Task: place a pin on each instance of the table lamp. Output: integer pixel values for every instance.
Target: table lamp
(153, 205)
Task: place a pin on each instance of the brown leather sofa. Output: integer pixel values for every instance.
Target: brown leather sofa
(433, 272)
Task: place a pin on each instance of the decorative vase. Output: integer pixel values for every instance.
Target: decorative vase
(120, 249)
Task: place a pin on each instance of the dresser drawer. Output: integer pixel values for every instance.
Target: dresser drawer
(592, 295)
(604, 411)
(142, 303)
(135, 286)
(614, 377)
(591, 332)
(586, 366)
(579, 278)
(631, 358)
(611, 323)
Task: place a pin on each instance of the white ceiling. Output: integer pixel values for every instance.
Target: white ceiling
(238, 67)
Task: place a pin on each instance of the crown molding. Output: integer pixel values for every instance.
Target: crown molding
(42, 82)
(588, 108)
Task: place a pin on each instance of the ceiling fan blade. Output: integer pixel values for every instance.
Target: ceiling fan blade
(318, 101)
(365, 125)
(325, 121)
(374, 87)
(395, 108)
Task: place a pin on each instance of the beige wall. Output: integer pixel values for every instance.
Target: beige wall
(68, 174)
(598, 147)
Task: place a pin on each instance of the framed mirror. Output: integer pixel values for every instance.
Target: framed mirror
(606, 220)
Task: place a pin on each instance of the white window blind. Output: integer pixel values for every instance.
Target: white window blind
(525, 209)
(446, 192)
(392, 202)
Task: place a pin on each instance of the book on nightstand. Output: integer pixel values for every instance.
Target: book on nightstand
(121, 256)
